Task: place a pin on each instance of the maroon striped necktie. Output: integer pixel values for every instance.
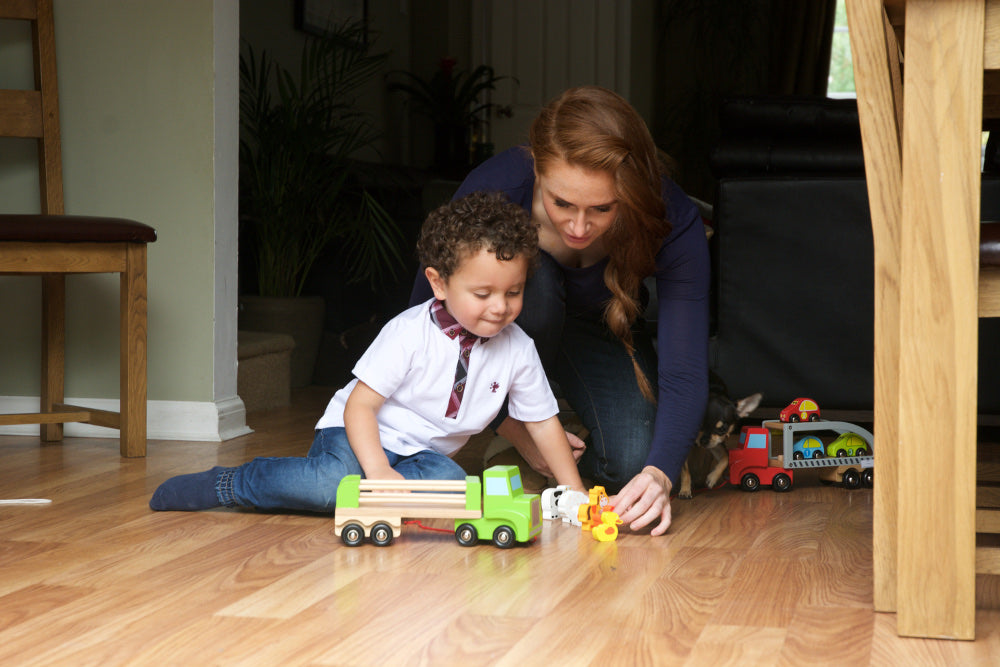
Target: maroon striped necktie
(466, 340)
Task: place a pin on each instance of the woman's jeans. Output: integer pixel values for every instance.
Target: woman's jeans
(310, 483)
(594, 374)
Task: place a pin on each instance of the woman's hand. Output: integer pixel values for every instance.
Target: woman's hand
(645, 499)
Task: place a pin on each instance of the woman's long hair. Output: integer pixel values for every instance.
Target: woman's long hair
(595, 128)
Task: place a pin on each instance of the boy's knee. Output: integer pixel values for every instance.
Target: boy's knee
(429, 465)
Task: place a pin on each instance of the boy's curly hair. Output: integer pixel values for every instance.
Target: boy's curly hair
(479, 221)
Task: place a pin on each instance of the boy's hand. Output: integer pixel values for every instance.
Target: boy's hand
(383, 473)
(644, 499)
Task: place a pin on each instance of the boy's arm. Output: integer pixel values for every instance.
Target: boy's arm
(550, 439)
(361, 424)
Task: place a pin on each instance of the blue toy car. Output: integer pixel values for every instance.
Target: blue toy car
(809, 447)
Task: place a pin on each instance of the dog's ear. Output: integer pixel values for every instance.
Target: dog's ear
(747, 405)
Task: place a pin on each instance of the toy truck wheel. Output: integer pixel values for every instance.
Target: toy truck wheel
(503, 537)
(851, 479)
(352, 534)
(868, 478)
(466, 535)
(381, 534)
(781, 482)
(750, 482)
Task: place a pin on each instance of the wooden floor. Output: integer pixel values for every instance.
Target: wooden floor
(96, 578)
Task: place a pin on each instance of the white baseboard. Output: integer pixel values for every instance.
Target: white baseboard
(165, 420)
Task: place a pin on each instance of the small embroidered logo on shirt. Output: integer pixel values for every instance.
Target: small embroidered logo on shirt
(494, 386)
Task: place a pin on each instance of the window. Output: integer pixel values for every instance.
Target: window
(841, 80)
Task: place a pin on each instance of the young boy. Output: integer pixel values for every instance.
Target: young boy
(436, 374)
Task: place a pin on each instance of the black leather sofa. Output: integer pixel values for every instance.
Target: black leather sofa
(793, 257)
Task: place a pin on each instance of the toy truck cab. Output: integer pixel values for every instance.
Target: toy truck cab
(509, 514)
(751, 464)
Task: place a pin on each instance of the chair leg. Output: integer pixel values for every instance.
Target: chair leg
(53, 350)
(133, 353)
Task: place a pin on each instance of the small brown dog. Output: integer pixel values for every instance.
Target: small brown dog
(722, 416)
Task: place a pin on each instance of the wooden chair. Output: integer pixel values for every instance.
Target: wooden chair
(937, 270)
(52, 245)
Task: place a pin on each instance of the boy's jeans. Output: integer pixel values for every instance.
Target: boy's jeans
(310, 483)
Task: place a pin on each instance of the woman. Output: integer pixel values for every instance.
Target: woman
(608, 217)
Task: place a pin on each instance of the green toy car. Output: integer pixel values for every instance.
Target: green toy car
(848, 444)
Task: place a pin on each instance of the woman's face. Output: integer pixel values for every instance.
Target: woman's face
(579, 202)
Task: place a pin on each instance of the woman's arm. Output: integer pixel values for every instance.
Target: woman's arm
(682, 285)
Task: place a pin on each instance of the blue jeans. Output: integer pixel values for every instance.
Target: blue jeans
(310, 483)
(594, 374)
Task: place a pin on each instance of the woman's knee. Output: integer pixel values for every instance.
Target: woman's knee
(615, 458)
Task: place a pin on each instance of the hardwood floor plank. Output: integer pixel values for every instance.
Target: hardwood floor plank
(738, 645)
(206, 641)
(31, 601)
(473, 639)
(298, 590)
(828, 635)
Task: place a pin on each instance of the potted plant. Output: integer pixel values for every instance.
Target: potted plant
(299, 187)
(452, 100)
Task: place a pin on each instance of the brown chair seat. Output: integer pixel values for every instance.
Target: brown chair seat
(73, 229)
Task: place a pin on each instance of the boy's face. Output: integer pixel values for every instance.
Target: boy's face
(484, 294)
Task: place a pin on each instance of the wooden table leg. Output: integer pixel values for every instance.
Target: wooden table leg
(875, 60)
(942, 121)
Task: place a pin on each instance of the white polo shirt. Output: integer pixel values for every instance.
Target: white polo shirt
(412, 364)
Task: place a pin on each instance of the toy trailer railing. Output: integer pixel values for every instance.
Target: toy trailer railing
(370, 502)
(789, 429)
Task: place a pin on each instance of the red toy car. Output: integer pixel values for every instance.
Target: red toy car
(800, 410)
